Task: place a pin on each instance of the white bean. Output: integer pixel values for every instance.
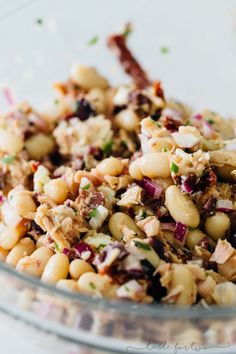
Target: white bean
(23, 248)
(135, 171)
(57, 190)
(78, 267)
(93, 284)
(10, 142)
(118, 220)
(110, 166)
(217, 225)
(23, 203)
(10, 236)
(154, 164)
(181, 207)
(183, 276)
(127, 119)
(39, 145)
(34, 264)
(87, 77)
(56, 268)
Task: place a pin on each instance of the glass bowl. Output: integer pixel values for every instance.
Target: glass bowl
(191, 47)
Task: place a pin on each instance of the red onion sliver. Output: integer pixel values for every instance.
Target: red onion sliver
(8, 96)
(224, 205)
(152, 188)
(180, 232)
(84, 251)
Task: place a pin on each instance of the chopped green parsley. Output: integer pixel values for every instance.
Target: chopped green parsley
(93, 41)
(86, 187)
(8, 159)
(92, 285)
(174, 168)
(107, 148)
(164, 49)
(93, 213)
(142, 245)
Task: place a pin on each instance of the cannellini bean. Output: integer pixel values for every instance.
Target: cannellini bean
(225, 294)
(118, 220)
(154, 164)
(10, 236)
(195, 237)
(217, 225)
(98, 99)
(23, 248)
(160, 144)
(127, 119)
(10, 142)
(93, 284)
(110, 166)
(56, 268)
(39, 145)
(145, 251)
(3, 254)
(135, 171)
(57, 190)
(181, 207)
(78, 267)
(23, 203)
(87, 77)
(183, 276)
(67, 285)
(34, 264)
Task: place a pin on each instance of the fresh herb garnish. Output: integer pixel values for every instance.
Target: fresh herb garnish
(101, 246)
(107, 148)
(57, 247)
(92, 285)
(211, 121)
(164, 49)
(143, 215)
(126, 288)
(127, 30)
(8, 159)
(56, 101)
(142, 245)
(159, 125)
(174, 168)
(190, 228)
(39, 21)
(93, 213)
(93, 41)
(164, 149)
(124, 143)
(86, 187)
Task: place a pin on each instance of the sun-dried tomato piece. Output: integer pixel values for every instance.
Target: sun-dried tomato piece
(127, 60)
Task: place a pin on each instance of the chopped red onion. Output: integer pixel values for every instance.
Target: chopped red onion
(8, 96)
(180, 232)
(169, 226)
(66, 251)
(84, 251)
(153, 189)
(188, 183)
(197, 116)
(224, 205)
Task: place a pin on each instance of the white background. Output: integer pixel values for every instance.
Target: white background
(200, 67)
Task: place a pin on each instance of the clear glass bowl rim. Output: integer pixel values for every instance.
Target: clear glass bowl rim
(125, 307)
